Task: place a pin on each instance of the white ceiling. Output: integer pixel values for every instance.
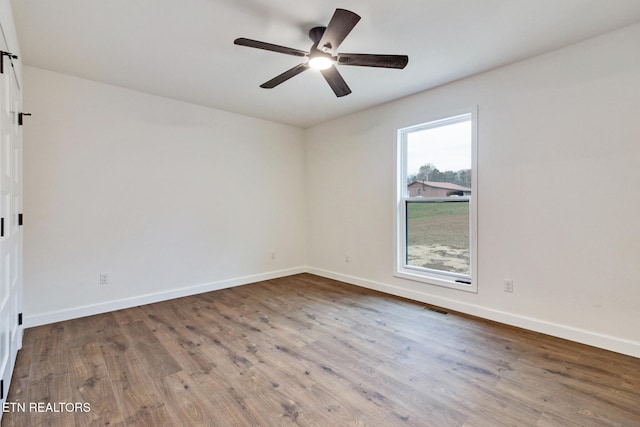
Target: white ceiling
(184, 49)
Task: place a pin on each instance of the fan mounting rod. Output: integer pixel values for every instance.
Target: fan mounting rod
(315, 34)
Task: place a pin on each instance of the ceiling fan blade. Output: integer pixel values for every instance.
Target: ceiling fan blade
(341, 24)
(335, 80)
(268, 46)
(285, 76)
(368, 60)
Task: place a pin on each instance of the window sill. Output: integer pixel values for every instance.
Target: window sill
(437, 280)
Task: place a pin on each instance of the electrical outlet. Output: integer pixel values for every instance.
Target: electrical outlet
(346, 258)
(508, 285)
(104, 279)
(273, 255)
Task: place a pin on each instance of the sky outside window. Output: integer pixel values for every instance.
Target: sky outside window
(447, 147)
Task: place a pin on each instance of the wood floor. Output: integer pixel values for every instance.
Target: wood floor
(309, 351)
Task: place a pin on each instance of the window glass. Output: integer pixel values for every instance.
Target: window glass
(436, 206)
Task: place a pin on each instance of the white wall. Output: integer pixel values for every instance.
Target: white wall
(559, 167)
(166, 197)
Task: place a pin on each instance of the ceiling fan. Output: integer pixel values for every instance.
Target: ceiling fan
(323, 56)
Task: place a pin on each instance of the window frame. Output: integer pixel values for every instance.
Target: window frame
(420, 274)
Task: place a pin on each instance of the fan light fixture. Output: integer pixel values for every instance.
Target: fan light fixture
(323, 56)
(320, 62)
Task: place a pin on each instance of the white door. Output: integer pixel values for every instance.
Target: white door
(10, 226)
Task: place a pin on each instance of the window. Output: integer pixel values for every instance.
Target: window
(437, 202)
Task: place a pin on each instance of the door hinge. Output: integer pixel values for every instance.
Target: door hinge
(3, 54)
(1, 389)
(20, 116)
(19, 319)
(19, 219)
(1, 227)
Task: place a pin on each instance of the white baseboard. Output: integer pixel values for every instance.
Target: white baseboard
(619, 345)
(119, 304)
(607, 342)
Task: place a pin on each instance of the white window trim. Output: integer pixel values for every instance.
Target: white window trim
(424, 275)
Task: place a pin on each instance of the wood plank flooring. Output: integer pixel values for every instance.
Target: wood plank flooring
(309, 351)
